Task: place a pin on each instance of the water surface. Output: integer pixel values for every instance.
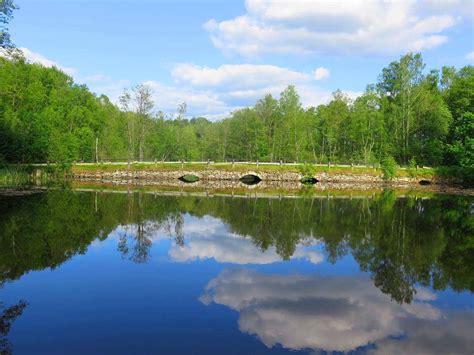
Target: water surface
(121, 273)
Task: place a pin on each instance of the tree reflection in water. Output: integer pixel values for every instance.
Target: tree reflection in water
(401, 241)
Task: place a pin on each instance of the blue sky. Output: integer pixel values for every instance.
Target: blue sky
(221, 55)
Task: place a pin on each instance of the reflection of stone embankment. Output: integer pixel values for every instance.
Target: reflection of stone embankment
(267, 185)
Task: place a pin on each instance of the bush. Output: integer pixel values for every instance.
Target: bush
(389, 168)
(307, 170)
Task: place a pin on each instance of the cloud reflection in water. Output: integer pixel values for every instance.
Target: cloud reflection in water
(337, 313)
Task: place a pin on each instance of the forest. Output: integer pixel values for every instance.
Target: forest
(414, 116)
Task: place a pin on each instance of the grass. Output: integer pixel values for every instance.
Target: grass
(13, 176)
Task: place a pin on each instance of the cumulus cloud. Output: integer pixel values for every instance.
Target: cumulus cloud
(338, 313)
(336, 27)
(237, 75)
(470, 56)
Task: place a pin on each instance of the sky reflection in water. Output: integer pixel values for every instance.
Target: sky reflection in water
(138, 273)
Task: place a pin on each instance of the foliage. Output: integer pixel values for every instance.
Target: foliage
(389, 168)
(44, 116)
(307, 169)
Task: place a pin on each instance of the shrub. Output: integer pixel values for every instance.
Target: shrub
(389, 168)
(307, 170)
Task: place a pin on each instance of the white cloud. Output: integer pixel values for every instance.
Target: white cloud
(470, 56)
(332, 313)
(335, 27)
(321, 73)
(236, 75)
(34, 57)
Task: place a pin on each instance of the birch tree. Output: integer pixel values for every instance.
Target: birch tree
(144, 106)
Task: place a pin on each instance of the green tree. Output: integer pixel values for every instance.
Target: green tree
(292, 111)
(398, 84)
(144, 105)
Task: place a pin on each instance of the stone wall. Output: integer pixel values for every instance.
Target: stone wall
(210, 175)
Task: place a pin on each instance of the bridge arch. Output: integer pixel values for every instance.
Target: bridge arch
(250, 179)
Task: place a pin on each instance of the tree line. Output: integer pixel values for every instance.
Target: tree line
(413, 116)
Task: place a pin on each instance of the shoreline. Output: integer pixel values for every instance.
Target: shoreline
(232, 188)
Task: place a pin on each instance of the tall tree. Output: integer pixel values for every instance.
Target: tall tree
(144, 105)
(292, 110)
(124, 100)
(268, 112)
(366, 132)
(398, 84)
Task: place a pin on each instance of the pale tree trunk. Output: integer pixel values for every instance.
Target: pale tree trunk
(142, 140)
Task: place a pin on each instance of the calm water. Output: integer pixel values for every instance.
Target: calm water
(115, 273)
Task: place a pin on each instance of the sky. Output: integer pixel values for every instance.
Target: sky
(218, 56)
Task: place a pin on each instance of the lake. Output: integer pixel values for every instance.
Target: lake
(101, 272)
